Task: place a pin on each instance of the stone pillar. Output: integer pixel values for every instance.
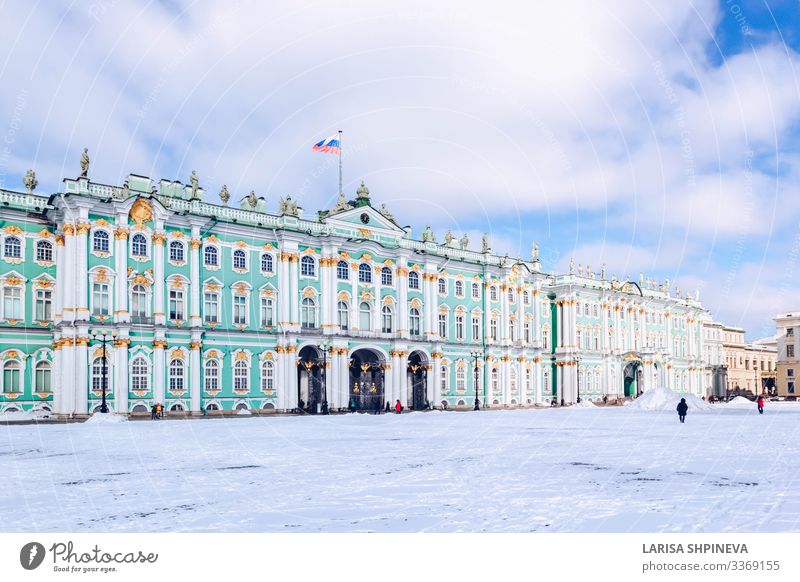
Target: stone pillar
(159, 369)
(159, 301)
(69, 275)
(280, 382)
(430, 382)
(389, 383)
(332, 379)
(121, 312)
(194, 275)
(536, 333)
(294, 304)
(284, 291)
(505, 316)
(82, 266)
(401, 308)
(58, 300)
(436, 399)
(121, 374)
(403, 387)
(81, 371)
(195, 387)
(536, 371)
(291, 368)
(325, 294)
(344, 377)
(376, 312)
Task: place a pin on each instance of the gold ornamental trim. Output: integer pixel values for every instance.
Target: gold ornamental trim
(159, 238)
(141, 212)
(68, 229)
(159, 344)
(83, 228)
(122, 342)
(195, 244)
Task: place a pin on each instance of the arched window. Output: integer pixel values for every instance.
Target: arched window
(267, 375)
(461, 379)
(342, 270)
(211, 378)
(176, 251)
(414, 322)
(99, 382)
(11, 376)
(413, 280)
(442, 285)
(493, 293)
(12, 248)
(308, 313)
(44, 251)
(100, 241)
(364, 273)
(344, 315)
(138, 301)
(443, 379)
(239, 259)
(386, 276)
(476, 291)
(308, 268)
(211, 256)
(42, 377)
(140, 375)
(176, 373)
(266, 263)
(139, 245)
(240, 377)
(387, 317)
(459, 288)
(365, 316)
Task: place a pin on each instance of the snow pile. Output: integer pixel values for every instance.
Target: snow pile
(666, 399)
(21, 416)
(244, 412)
(584, 404)
(741, 402)
(106, 418)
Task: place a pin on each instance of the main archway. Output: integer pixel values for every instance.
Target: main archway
(417, 375)
(632, 379)
(366, 380)
(310, 380)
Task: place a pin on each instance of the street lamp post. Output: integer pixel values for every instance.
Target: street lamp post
(475, 356)
(103, 336)
(578, 371)
(325, 347)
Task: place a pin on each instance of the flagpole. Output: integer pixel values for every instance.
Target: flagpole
(340, 162)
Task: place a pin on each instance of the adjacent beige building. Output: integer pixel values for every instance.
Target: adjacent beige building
(788, 328)
(750, 366)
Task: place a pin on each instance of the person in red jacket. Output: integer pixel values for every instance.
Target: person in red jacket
(398, 407)
(761, 404)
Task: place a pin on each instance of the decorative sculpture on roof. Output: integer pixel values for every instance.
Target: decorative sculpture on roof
(603, 272)
(341, 204)
(590, 272)
(448, 237)
(252, 200)
(224, 195)
(288, 206)
(535, 252)
(580, 269)
(195, 183)
(85, 163)
(485, 243)
(385, 212)
(427, 235)
(464, 242)
(362, 193)
(571, 265)
(29, 181)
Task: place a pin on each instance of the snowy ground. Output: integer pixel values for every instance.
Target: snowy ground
(581, 469)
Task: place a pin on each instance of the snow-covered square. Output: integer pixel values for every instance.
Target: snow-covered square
(577, 469)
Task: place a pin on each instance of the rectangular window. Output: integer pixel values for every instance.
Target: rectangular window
(100, 299)
(527, 332)
(44, 304)
(211, 307)
(176, 310)
(476, 328)
(239, 309)
(443, 325)
(790, 387)
(789, 350)
(789, 331)
(267, 312)
(493, 330)
(459, 327)
(790, 372)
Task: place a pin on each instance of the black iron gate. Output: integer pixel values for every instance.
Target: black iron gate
(419, 386)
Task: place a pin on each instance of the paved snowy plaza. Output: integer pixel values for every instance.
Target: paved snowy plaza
(568, 470)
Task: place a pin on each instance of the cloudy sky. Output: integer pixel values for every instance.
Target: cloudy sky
(655, 137)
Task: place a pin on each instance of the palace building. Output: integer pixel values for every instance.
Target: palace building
(208, 307)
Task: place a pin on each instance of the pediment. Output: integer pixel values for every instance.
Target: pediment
(364, 217)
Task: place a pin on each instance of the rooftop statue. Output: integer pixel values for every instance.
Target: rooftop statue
(535, 252)
(341, 204)
(464, 242)
(571, 265)
(85, 163)
(448, 238)
(29, 181)
(362, 193)
(603, 272)
(385, 212)
(485, 243)
(580, 269)
(288, 206)
(224, 195)
(427, 235)
(195, 183)
(252, 200)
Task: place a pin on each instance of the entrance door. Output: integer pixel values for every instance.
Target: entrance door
(418, 378)
(630, 380)
(366, 381)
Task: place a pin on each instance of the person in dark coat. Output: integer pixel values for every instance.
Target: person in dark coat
(388, 407)
(153, 413)
(761, 405)
(398, 407)
(683, 408)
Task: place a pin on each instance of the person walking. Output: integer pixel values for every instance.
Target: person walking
(153, 412)
(683, 408)
(760, 404)
(398, 407)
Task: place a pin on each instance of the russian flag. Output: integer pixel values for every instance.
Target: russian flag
(328, 145)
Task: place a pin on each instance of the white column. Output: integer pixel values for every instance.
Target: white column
(121, 375)
(344, 377)
(284, 291)
(505, 315)
(159, 394)
(60, 285)
(69, 277)
(325, 294)
(121, 312)
(294, 304)
(82, 372)
(537, 319)
(403, 386)
(436, 399)
(332, 378)
(536, 370)
(82, 266)
(195, 389)
(376, 315)
(280, 384)
(355, 300)
(431, 383)
(159, 303)
(194, 275)
(388, 383)
(401, 309)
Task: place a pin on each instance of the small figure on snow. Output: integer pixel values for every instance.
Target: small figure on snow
(398, 407)
(683, 408)
(760, 404)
